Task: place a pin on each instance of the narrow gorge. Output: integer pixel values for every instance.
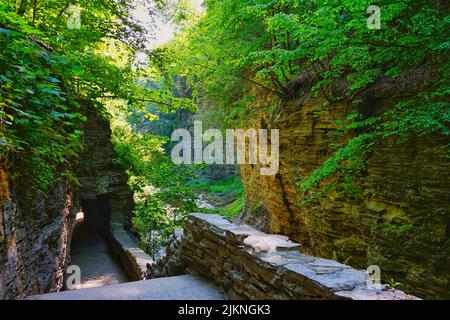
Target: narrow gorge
(224, 150)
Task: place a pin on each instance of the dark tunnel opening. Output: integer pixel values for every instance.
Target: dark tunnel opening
(97, 215)
(90, 252)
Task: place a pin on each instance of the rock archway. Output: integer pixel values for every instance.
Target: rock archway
(104, 196)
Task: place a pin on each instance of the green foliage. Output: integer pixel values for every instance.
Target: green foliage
(417, 236)
(40, 121)
(391, 283)
(347, 163)
(227, 195)
(232, 185)
(233, 209)
(335, 257)
(143, 157)
(48, 72)
(150, 216)
(243, 49)
(396, 231)
(163, 198)
(242, 59)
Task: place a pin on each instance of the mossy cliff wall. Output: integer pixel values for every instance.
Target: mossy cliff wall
(401, 222)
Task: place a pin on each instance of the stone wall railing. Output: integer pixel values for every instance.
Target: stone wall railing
(249, 264)
(133, 259)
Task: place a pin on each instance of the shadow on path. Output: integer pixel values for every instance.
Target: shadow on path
(90, 251)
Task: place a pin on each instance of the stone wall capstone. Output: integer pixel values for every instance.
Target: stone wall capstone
(249, 264)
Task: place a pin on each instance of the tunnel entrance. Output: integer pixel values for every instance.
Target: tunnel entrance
(97, 214)
(90, 249)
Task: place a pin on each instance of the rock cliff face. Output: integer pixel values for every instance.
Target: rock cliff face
(401, 223)
(97, 173)
(34, 238)
(35, 234)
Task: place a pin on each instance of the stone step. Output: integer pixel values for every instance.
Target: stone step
(184, 287)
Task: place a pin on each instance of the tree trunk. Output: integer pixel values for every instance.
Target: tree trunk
(34, 11)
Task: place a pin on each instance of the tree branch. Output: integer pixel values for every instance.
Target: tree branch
(279, 94)
(64, 9)
(35, 40)
(34, 11)
(141, 100)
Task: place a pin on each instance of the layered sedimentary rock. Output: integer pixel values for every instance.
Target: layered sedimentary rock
(97, 173)
(34, 238)
(247, 263)
(401, 221)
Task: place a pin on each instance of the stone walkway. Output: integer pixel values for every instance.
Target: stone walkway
(102, 278)
(90, 252)
(185, 287)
